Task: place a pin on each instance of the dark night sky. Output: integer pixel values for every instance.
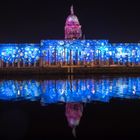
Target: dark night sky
(32, 21)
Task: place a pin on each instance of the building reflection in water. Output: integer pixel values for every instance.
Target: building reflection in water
(72, 92)
(73, 114)
(66, 91)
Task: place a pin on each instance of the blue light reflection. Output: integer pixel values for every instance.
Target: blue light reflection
(78, 90)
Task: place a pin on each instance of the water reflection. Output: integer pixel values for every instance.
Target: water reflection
(74, 93)
(74, 113)
(77, 90)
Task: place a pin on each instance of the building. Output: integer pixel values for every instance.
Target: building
(73, 50)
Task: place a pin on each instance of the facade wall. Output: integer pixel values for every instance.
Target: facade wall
(92, 52)
(19, 54)
(70, 52)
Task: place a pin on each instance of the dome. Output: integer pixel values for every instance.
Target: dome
(72, 19)
(72, 26)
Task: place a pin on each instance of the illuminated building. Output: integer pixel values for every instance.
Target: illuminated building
(73, 50)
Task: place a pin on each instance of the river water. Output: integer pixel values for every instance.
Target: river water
(101, 107)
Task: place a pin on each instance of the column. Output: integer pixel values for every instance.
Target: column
(55, 57)
(64, 56)
(78, 63)
(13, 64)
(0, 63)
(70, 57)
(76, 60)
(18, 65)
(34, 64)
(48, 58)
(7, 64)
(23, 64)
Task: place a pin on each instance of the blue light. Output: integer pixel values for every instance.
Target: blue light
(57, 51)
(19, 52)
(55, 91)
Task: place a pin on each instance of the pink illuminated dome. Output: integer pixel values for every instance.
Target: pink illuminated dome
(72, 26)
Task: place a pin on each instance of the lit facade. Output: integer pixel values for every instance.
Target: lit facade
(73, 50)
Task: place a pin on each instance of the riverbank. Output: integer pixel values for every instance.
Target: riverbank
(65, 70)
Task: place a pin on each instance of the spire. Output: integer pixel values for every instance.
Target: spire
(72, 10)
